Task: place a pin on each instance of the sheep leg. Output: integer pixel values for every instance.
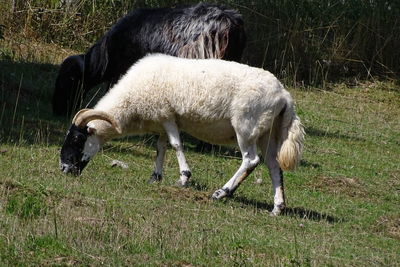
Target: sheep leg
(173, 135)
(279, 193)
(158, 168)
(250, 160)
(275, 173)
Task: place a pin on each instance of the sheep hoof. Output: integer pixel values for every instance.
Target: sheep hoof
(155, 178)
(180, 183)
(274, 213)
(183, 180)
(277, 209)
(220, 193)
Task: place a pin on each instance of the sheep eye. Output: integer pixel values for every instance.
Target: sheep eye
(78, 139)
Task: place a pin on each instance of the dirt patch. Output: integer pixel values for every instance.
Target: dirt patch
(351, 187)
(389, 225)
(61, 261)
(178, 264)
(9, 185)
(184, 194)
(82, 211)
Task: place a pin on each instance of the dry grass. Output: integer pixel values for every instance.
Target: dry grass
(351, 187)
(389, 225)
(304, 42)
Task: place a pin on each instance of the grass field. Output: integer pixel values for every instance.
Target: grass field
(343, 201)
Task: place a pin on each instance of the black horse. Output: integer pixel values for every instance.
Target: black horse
(199, 31)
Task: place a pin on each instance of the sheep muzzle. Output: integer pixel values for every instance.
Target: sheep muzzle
(72, 152)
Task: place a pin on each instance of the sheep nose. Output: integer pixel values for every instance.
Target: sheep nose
(64, 168)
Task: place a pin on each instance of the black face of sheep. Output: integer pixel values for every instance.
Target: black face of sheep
(82, 142)
(72, 158)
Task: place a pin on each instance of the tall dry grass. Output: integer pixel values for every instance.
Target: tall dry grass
(303, 42)
(319, 41)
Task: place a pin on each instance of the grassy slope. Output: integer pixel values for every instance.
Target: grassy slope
(342, 201)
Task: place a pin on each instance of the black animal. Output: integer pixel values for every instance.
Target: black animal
(199, 31)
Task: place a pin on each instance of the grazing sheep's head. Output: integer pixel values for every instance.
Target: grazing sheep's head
(73, 156)
(68, 83)
(82, 141)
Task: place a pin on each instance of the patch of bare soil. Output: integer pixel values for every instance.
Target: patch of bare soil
(9, 185)
(389, 225)
(185, 194)
(61, 261)
(351, 187)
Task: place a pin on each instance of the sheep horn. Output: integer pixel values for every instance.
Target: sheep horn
(86, 115)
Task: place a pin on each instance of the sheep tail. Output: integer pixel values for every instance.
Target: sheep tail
(291, 140)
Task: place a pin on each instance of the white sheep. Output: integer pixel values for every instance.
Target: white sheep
(216, 101)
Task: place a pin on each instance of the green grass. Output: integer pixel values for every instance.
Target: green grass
(343, 201)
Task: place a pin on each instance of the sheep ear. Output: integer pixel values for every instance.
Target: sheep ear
(91, 130)
(84, 116)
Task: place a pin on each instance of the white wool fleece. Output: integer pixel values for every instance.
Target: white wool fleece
(161, 87)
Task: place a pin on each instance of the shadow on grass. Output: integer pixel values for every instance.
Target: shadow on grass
(303, 213)
(322, 133)
(295, 212)
(199, 186)
(305, 163)
(25, 109)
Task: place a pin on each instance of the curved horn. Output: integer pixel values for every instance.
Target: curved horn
(86, 115)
